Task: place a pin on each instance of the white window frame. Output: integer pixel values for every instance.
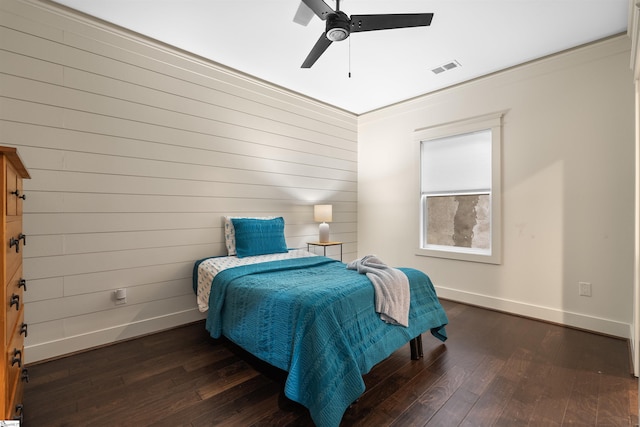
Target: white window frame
(493, 122)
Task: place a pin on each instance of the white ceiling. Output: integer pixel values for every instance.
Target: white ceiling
(260, 38)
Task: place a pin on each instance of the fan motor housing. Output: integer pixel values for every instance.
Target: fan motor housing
(338, 26)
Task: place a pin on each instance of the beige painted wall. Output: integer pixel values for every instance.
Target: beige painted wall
(136, 151)
(567, 181)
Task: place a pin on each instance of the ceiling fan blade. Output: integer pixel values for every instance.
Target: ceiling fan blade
(303, 14)
(318, 49)
(386, 22)
(319, 7)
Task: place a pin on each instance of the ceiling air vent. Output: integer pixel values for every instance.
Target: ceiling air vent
(446, 67)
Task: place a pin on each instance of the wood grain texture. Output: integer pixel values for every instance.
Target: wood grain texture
(494, 370)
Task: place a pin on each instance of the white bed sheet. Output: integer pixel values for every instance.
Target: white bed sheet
(208, 269)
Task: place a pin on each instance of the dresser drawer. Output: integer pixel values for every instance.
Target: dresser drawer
(12, 187)
(14, 403)
(14, 360)
(14, 245)
(14, 195)
(15, 391)
(14, 301)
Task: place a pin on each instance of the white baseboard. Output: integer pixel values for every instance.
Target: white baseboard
(52, 349)
(576, 320)
(68, 345)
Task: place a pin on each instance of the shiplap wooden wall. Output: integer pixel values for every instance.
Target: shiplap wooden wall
(136, 151)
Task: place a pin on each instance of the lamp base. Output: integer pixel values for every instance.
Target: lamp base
(324, 232)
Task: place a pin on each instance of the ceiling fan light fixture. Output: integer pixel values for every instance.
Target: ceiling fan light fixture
(337, 34)
(338, 26)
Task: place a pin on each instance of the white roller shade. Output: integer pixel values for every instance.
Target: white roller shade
(457, 163)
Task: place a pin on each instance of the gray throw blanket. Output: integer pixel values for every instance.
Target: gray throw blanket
(391, 286)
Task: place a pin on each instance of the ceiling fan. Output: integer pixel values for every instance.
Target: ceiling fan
(339, 25)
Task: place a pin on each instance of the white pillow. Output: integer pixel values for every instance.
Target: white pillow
(230, 232)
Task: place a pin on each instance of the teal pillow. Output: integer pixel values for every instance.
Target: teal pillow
(259, 236)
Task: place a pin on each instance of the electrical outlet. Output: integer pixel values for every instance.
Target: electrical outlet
(584, 289)
(120, 296)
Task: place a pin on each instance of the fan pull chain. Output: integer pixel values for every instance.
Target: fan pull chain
(349, 57)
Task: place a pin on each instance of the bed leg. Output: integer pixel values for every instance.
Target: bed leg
(416, 348)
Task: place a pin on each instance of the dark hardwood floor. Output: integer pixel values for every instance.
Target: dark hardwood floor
(495, 370)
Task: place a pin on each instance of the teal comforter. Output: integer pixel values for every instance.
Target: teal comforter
(315, 319)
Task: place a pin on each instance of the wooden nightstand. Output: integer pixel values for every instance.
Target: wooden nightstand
(324, 246)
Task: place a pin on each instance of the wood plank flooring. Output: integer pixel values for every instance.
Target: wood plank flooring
(494, 370)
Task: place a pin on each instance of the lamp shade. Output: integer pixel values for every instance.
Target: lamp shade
(322, 213)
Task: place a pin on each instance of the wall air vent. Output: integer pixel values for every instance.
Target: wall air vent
(445, 67)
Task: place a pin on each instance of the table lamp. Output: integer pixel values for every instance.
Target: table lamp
(323, 214)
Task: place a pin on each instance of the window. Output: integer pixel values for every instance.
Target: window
(460, 189)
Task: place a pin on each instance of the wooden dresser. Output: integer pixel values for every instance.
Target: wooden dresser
(13, 329)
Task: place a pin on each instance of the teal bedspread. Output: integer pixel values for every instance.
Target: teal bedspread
(315, 319)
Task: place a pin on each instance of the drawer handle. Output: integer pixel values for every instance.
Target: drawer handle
(22, 284)
(23, 329)
(14, 242)
(17, 194)
(17, 358)
(19, 413)
(15, 299)
(25, 375)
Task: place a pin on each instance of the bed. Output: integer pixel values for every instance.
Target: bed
(308, 315)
